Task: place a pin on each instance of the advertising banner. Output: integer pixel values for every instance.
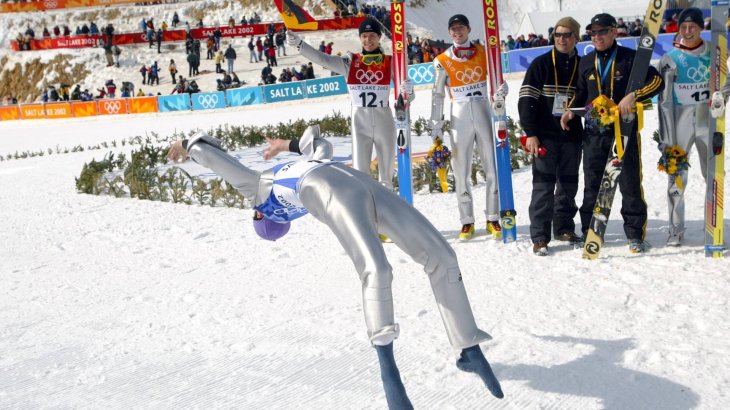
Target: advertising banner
(59, 4)
(244, 96)
(421, 73)
(32, 111)
(9, 113)
(111, 107)
(176, 35)
(175, 102)
(323, 87)
(139, 105)
(58, 110)
(208, 101)
(83, 108)
(283, 92)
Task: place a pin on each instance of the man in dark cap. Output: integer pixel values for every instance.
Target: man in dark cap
(684, 109)
(368, 76)
(605, 71)
(462, 67)
(548, 86)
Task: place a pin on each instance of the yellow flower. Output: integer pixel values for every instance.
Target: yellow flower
(672, 162)
(672, 170)
(677, 152)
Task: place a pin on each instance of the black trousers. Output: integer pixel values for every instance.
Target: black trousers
(554, 186)
(633, 207)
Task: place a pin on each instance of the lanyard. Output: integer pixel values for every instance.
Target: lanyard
(555, 72)
(604, 72)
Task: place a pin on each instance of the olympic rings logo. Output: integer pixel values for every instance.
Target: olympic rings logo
(112, 107)
(50, 4)
(421, 75)
(208, 100)
(469, 74)
(699, 74)
(369, 77)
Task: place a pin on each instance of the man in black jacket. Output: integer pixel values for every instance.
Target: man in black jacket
(606, 71)
(548, 86)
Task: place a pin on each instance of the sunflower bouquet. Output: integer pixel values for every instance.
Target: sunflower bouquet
(673, 161)
(601, 113)
(438, 159)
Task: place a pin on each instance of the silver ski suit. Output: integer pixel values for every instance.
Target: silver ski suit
(684, 117)
(356, 209)
(372, 121)
(471, 123)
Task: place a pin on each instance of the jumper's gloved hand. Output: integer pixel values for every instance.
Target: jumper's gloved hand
(717, 105)
(436, 132)
(293, 40)
(407, 87)
(502, 91)
(177, 152)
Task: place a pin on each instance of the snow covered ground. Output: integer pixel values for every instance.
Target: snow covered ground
(120, 303)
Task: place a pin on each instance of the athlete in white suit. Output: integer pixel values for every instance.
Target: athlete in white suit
(462, 67)
(684, 108)
(355, 208)
(368, 76)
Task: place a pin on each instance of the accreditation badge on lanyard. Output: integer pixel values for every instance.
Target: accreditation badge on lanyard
(560, 104)
(561, 101)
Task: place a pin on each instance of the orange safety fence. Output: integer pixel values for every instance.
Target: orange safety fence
(83, 108)
(142, 104)
(9, 113)
(111, 107)
(58, 110)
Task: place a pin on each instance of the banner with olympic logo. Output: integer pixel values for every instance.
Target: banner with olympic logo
(326, 86)
(175, 102)
(208, 101)
(238, 97)
(283, 92)
(421, 73)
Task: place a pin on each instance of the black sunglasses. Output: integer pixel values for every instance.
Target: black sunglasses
(563, 35)
(601, 32)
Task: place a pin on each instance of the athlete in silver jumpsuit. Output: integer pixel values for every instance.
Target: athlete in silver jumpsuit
(356, 208)
(462, 67)
(684, 108)
(369, 86)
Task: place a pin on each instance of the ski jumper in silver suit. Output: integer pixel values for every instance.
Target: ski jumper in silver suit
(356, 208)
(372, 119)
(684, 114)
(471, 123)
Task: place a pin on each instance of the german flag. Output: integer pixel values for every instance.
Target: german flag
(294, 16)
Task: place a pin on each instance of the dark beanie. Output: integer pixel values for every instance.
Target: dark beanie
(369, 25)
(693, 15)
(458, 18)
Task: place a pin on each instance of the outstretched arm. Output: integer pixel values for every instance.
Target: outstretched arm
(207, 151)
(310, 145)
